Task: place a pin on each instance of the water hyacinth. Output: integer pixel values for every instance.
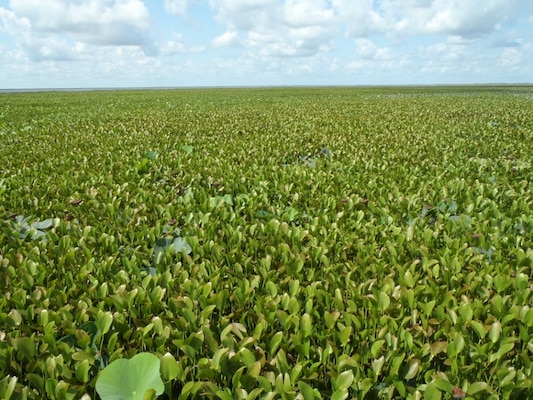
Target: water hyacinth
(267, 243)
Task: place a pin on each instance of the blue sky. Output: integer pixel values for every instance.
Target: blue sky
(154, 43)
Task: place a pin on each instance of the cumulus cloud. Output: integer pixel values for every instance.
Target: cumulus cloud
(507, 42)
(227, 39)
(465, 18)
(305, 13)
(275, 28)
(177, 45)
(305, 28)
(270, 38)
(177, 7)
(247, 14)
(360, 18)
(366, 49)
(510, 57)
(98, 22)
(60, 30)
(53, 49)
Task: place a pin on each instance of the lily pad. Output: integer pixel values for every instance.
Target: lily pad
(187, 148)
(47, 223)
(152, 155)
(130, 379)
(180, 244)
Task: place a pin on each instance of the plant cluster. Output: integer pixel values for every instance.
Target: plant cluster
(324, 243)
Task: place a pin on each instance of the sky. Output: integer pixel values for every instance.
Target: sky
(177, 43)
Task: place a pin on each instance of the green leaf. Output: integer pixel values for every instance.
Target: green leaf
(340, 394)
(130, 379)
(181, 245)
(344, 380)
(14, 318)
(412, 371)
(306, 325)
(178, 245)
(432, 392)
(307, 391)
(345, 335)
(224, 395)
(383, 301)
(247, 356)
(187, 148)
(26, 347)
(254, 369)
(528, 318)
(502, 350)
(142, 166)
(494, 331)
(478, 328)
(152, 155)
(444, 385)
(397, 362)
(330, 319)
(375, 349)
(476, 387)
(377, 365)
(7, 386)
(104, 321)
(150, 394)
(428, 307)
(365, 385)
(218, 357)
(409, 279)
(187, 389)
(82, 371)
(169, 367)
(37, 381)
(43, 224)
(275, 342)
(438, 347)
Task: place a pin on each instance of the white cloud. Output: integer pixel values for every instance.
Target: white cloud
(360, 18)
(302, 13)
(177, 7)
(458, 40)
(465, 18)
(510, 57)
(365, 48)
(445, 51)
(54, 49)
(98, 22)
(246, 14)
(177, 46)
(275, 28)
(12, 24)
(227, 39)
(270, 41)
(58, 30)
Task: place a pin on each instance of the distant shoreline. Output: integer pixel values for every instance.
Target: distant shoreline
(95, 89)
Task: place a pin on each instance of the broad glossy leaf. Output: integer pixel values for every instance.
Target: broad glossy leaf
(344, 380)
(130, 378)
(306, 390)
(169, 367)
(476, 387)
(340, 394)
(187, 148)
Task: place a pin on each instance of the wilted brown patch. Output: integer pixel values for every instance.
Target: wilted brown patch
(458, 393)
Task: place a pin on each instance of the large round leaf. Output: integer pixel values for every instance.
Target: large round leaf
(130, 379)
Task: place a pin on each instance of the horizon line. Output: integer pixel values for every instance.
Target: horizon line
(125, 88)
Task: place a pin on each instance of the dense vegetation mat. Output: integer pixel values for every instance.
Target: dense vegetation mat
(269, 243)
